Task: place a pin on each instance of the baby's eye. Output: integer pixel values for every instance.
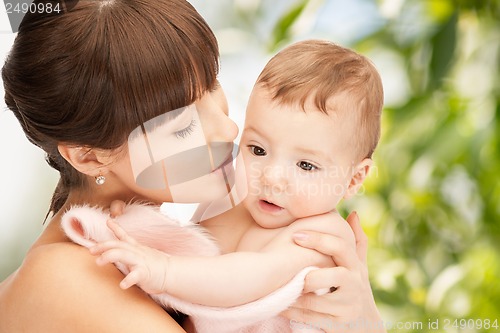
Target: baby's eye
(306, 166)
(257, 151)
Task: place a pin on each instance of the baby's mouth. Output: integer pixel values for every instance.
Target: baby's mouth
(269, 207)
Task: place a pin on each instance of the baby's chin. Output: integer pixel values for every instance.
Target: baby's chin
(274, 223)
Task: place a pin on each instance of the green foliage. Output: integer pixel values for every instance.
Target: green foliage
(443, 49)
(281, 31)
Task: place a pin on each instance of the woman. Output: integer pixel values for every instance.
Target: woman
(80, 82)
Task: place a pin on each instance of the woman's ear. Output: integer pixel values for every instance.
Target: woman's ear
(91, 162)
(359, 174)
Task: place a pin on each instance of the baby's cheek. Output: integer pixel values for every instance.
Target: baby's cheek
(310, 200)
(303, 204)
(249, 167)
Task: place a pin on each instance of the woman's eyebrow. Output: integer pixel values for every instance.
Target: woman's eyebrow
(171, 115)
(166, 117)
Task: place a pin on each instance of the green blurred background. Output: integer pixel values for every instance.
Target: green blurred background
(431, 206)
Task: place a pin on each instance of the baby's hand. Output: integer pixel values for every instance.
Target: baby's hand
(147, 267)
(116, 208)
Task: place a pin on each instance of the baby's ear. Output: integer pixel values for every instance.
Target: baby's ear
(360, 172)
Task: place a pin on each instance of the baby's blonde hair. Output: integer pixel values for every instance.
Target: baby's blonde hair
(329, 74)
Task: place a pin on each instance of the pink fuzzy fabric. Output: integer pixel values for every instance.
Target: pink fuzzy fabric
(86, 225)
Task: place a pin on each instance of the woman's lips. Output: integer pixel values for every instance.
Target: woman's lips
(269, 207)
(222, 154)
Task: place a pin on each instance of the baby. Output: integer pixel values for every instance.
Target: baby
(311, 127)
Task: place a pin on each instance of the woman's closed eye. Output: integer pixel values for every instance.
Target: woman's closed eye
(257, 151)
(307, 166)
(183, 133)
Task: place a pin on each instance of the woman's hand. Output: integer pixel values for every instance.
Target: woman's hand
(349, 305)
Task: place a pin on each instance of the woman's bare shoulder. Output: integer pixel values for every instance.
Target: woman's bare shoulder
(59, 287)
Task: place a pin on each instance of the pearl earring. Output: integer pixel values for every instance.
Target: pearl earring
(100, 180)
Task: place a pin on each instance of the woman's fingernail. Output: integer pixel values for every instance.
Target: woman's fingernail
(300, 236)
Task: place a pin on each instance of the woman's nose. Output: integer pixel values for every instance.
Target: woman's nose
(223, 129)
(216, 124)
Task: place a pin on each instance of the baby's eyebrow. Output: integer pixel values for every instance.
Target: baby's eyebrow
(319, 153)
(255, 130)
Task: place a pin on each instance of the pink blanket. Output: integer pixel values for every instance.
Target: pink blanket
(86, 225)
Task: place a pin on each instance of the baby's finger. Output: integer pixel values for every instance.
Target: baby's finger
(100, 248)
(116, 255)
(131, 279)
(119, 232)
(116, 208)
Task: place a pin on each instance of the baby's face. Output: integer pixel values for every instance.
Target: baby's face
(297, 163)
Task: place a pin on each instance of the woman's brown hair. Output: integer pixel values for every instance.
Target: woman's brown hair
(91, 74)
